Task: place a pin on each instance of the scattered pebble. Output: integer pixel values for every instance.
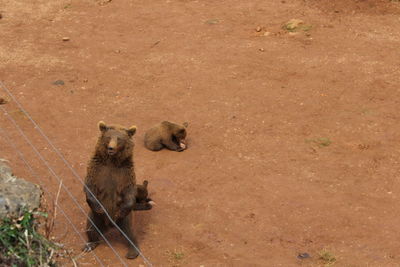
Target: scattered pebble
(262, 50)
(65, 39)
(1, 16)
(267, 33)
(104, 2)
(2, 101)
(258, 29)
(303, 256)
(59, 82)
(212, 21)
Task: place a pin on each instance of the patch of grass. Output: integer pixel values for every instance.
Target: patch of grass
(177, 255)
(306, 28)
(321, 142)
(22, 245)
(212, 21)
(67, 6)
(296, 25)
(327, 257)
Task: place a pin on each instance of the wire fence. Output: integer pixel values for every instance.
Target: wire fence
(75, 174)
(38, 180)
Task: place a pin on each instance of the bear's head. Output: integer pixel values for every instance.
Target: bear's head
(115, 141)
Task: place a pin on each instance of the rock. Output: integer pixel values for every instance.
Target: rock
(2, 101)
(1, 16)
(65, 39)
(303, 256)
(258, 29)
(16, 193)
(261, 50)
(293, 24)
(267, 33)
(59, 82)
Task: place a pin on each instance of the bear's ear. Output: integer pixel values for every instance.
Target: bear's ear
(102, 126)
(185, 124)
(131, 131)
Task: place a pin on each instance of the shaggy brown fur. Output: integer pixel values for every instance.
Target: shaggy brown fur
(111, 178)
(166, 134)
(143, 202)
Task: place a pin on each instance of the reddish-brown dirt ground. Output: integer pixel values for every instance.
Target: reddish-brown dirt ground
(294, 142)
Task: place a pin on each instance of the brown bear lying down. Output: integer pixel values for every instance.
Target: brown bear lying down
(166, 134)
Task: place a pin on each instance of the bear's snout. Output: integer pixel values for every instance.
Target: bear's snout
(112, 148)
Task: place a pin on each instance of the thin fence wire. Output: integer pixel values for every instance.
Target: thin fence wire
(37, 127)
(38, 180)
(11, 119)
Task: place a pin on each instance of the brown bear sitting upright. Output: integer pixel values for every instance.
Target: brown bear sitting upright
(166, 134)
(143, 202)
(111, 179)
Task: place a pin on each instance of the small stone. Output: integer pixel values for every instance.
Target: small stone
(303, 256)
(65, 39)
(59, 82)
(1, 16)
(258, 29)
(2, 101)
(85, 80)
(261, 50)
(267, 33)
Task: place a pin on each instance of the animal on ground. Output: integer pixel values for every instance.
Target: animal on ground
(111, 180)
(166, 134)
(143, 202)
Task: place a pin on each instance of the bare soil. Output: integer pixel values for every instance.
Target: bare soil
(293, 137)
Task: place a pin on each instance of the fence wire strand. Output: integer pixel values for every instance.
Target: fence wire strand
(37, 127)
(59, 180)
(38, 180)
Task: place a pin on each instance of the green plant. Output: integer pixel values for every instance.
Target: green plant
(22, 245)
(326, 256)
(321, 142)
(178, 255)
